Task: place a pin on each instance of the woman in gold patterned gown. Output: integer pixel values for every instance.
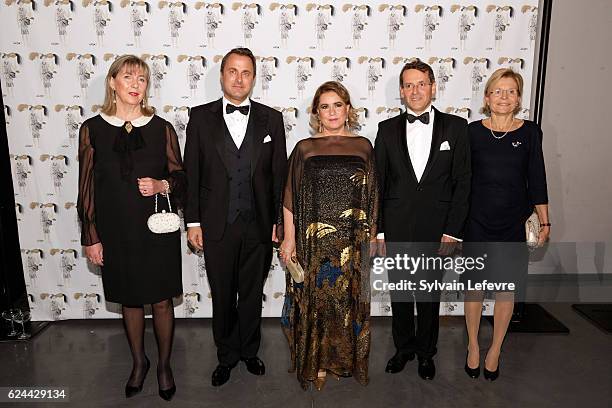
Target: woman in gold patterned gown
(330, 207)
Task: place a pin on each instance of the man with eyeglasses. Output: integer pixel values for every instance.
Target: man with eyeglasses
(423, 161)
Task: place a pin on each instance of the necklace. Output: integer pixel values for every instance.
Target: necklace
(502, 136)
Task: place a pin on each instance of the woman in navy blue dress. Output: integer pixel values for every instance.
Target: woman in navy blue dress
(508, 183)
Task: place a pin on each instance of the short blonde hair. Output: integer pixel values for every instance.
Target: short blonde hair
(496, 76)
(343, 93)
(132, 61)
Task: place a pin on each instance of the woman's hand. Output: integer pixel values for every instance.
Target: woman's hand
(149, 186)
(287, 250)
(544, 236)
(94, 254)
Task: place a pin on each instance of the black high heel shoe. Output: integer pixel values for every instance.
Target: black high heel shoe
(130, 390)
(491, 375)
(472, 372)
(168, 394)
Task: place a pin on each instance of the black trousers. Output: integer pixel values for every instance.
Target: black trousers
(237, 266)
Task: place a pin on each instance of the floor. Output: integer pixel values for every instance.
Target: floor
(91, 358)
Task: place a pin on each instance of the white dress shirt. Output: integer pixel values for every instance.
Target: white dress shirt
(237, 125)
(418, 139)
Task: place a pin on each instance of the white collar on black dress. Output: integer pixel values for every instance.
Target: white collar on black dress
(115, 121)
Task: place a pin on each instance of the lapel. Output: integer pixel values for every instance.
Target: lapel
(436, 141)
(219, 131)
(403, 145)
(256, 131)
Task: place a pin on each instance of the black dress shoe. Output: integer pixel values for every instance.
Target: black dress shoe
(472, 372)
(427, 369)
(168, 394)
(221, 374)
(491, 375)
(130, 390)
(398, 362)
(255, 365)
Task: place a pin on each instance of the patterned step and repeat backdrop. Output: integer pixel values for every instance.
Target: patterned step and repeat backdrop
(55, 54)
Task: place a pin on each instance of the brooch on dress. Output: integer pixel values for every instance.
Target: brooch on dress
(516, 144)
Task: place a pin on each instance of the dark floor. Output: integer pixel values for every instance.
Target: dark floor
(92, 359)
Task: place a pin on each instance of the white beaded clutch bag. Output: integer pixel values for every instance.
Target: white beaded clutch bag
(164, 222)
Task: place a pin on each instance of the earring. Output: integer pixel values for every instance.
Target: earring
(346, 123)
(320, 127)
(114, 97)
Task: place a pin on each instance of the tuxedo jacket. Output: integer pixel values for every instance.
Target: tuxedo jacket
(422, 211)
(207, 170)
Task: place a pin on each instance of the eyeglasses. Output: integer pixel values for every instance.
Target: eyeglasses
(499, 92)
(419, 86)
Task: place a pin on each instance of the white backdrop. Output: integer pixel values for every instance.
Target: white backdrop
(55, 55)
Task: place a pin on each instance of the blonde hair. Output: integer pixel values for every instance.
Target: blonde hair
(131, 61)
(496, 76)
(343, 93)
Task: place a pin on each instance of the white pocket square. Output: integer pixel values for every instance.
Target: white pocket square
(267, 139)
(445, 146)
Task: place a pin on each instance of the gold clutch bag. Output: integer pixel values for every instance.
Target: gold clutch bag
(295, 270)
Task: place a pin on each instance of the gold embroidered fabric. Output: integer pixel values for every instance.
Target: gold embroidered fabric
(332, 192)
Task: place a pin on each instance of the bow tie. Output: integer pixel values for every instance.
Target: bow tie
(423, 117)
(229, 108)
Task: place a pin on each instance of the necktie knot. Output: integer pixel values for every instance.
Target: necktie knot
(229, 108)
(423, 117)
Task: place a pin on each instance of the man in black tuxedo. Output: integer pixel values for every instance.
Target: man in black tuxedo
(236, 160)
(423, 161)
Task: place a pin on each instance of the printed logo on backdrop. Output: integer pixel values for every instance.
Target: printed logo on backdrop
(25, 16)
(532, 27)
(22, 171)
(395, 21)
(10, 69)
(517, 64)
(286, 20)
(67, 264)
(138, 18)
(73, 117)
(19, 212)
(71, 206)
(214, 12)
(479, 70)
(267, 71)
(340, 67)
(431, 20)
(362, 117)
(101, 17)
(464, 112)
(84, 69)
(290, 115)
(36, 119)
(443, 69)
(159, 64)
(502, 15)
(195, 71)
(467, 21)
(191, 303)
(63, 16)
(249, 14)
(322, 22)
(387, 112)
(7, 115)
(179, 117)
(48, 68)
(33, 264)
(90, 303)
(303, 72)
(375, 66)
(56, 304)
(359, 17)
(176, 14)
(47, 213)
(57, 168)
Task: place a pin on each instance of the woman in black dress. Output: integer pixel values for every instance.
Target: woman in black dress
(330, 208)
(127, 155)
(508, 182)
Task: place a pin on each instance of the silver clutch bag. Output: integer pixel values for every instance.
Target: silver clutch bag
(532, 230)
(164, 222)
(295, 270)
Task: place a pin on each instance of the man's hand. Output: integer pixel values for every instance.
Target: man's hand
(381, 248)
(195, 238)
(448, 246)
(94, 254)
(274, 237)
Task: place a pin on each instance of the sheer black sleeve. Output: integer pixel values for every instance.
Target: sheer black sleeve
(295, 171)
(176, 172)
(85, 202)
(373, 193)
